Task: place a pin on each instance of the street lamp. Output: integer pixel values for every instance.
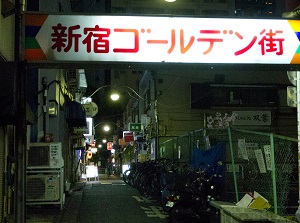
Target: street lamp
(114, 95)
(106, 128)
(106, 132)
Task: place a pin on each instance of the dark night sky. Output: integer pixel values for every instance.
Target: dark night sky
(108, 110)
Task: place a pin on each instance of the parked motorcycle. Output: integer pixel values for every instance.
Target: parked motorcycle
(192, 204)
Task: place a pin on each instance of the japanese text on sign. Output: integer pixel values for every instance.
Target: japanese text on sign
(252, 118)
(161, 39)
(96, 39)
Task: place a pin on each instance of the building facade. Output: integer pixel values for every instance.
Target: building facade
(165, 107)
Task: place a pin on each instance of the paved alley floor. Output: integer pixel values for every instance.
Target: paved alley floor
(107, 200)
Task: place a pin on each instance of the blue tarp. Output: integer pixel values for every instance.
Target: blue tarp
(212, 160)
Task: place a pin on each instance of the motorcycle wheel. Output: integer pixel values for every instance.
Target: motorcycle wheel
(166, 195)
(182, 213)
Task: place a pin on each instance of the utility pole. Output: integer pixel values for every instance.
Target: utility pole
(20, 147)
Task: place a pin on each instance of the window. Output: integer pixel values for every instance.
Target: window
(212, 95)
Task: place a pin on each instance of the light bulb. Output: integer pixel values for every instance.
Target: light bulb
(106, 128)
(114, 96)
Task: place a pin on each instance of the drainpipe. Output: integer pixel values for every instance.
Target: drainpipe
(44, 107)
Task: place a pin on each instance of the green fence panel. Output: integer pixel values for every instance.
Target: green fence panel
(263, 163)
(166, 149)
(255, 161)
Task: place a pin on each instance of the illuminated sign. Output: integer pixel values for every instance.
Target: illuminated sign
(89, 154)
(89, 123)
(91, 109)
(94, 150)
(109, 145)
(161, 39)
(128, 136)
(135, 127)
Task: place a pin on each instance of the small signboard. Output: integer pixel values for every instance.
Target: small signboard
(128, 137)
(252, 118)
(135, 127)
(91, 109)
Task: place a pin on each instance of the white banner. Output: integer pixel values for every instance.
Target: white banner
(160, 39)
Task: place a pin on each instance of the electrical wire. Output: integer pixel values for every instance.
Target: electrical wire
(40, 115)
(66, 92)
(114, 86)
(139, 96)
(98, 89)
(130, 95)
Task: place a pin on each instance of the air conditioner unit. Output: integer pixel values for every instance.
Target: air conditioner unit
(145, 120)
(44, 155)
(43, 187)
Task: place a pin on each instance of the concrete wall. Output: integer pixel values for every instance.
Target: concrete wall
(173, 96)
(7, 34)
(54, 6)
(198, 7)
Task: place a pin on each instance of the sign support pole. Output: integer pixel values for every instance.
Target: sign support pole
(21, 125)
(298, 127)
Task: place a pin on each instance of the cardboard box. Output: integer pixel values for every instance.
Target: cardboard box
(255, 201)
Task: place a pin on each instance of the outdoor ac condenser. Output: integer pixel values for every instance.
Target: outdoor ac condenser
(43, 187)
(44, 155)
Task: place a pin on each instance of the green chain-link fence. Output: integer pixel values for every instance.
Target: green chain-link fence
(180, 148)
(263, 162)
